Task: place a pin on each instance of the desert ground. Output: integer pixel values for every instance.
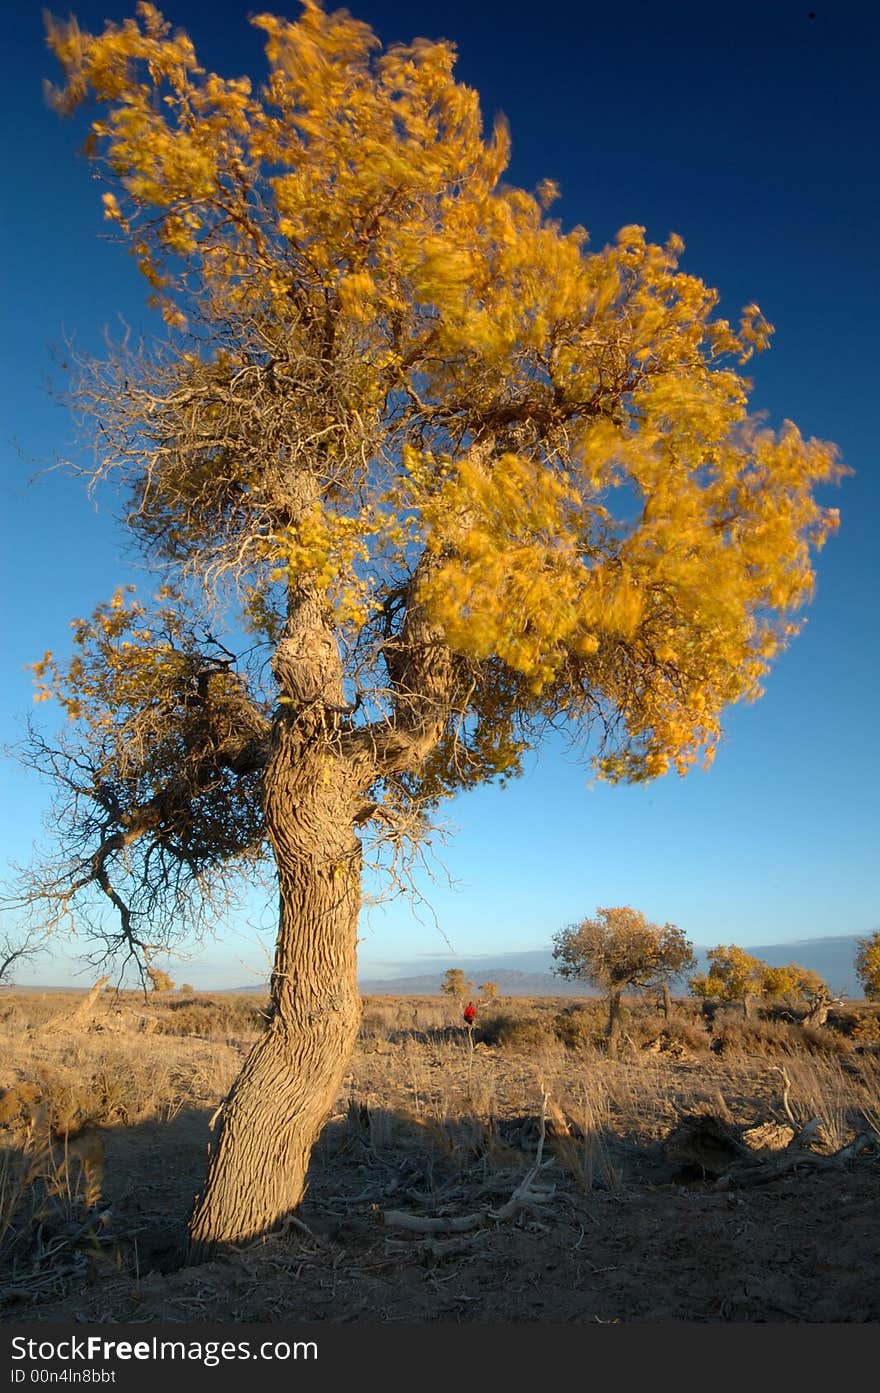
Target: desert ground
(723, 1172)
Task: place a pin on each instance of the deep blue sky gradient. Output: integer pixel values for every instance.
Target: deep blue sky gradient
(751, 130)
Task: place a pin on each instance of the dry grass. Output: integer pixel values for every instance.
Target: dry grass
(454, 1110)
(63, 1092)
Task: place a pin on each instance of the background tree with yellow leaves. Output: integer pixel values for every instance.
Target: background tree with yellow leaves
(455, 983)
(868, 965)
(738, 977)
(734, 977)
(454, 475)
(159, 979)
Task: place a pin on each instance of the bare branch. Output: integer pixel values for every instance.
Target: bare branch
(17, 949)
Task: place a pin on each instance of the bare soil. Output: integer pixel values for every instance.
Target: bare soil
(428, 1125)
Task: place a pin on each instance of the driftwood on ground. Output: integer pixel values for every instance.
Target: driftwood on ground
(71, 1020)
(717, 1148)
(529, 1194)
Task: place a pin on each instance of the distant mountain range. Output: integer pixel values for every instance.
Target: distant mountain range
(531, 973)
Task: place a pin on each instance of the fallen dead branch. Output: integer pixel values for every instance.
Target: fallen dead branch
(423, 1223)
(761, 1172)
(527, 1195)
(74, 1019)
(716, 1147)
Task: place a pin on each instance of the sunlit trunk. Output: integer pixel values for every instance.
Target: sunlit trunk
(312, 795)
(817, 1012)
(292, 1077)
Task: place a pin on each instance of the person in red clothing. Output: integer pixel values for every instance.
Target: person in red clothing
(469, 1013)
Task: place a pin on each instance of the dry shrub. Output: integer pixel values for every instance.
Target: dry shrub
(817, 1039)
(690, 1009)
(49, 1195)
(428, 1015)
(10, 1013)
(587, 1153)
(95, 1079)
(212, 1019)
(566, 1141)
(867, 1091)
(511, 1031)
(17, 1104)
(458, 1135)
(119, 1091)
(822, 1088)
(450, 1131)
(397, 1019)
(581, 1027)
(374, 1026)
(677, 1037)
(866, 1031)
(65, 1089)
(735, 1034)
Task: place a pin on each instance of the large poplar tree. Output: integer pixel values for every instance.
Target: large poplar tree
(418, 474)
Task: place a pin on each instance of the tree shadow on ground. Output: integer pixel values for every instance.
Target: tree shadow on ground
(123, 1210)
(638, 1246)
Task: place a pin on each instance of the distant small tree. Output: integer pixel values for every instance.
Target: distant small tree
(808, 983)
(738, 977)
(489, 990)
(455, 983)
(620, 948)
(794, 981)
(734, 976)
(778, 982)
(187, 990)
(868, 965)
(675, 957)
(159, 980)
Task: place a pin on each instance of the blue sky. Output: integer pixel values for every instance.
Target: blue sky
(751, 131)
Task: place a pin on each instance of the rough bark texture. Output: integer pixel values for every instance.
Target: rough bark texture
(291, 1078)
(313, 789)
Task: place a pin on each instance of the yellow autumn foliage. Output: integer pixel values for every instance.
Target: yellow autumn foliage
(562, 433)
(868, 965)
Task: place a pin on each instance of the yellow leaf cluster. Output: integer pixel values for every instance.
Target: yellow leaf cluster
(868, 965)
(333, 551)
(122, 660)
(509, 579)
(733, 975)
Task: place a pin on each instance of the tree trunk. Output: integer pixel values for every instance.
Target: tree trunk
(313, 790)
(709, 1011)
(613, 1031)
(666, 999)
(817, 1012)
(292, 1077)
